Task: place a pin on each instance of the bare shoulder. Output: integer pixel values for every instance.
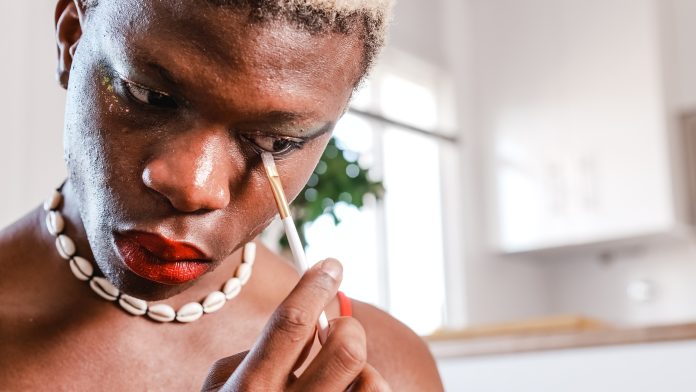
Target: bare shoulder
(22, 261)
(400, 355)
(15, 238)
(18, 263)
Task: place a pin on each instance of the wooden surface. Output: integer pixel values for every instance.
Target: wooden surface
(544, 325)
(521, 342)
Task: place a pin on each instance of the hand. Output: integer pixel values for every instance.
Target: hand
(285, 342)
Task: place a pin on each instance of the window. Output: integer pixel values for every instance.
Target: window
(393, 249)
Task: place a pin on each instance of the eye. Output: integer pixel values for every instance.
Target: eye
(148, 96)
(276, 145)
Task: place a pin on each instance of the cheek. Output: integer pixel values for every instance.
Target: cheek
(104, 133)
(99, 157)
(89, 98)
(84, 144)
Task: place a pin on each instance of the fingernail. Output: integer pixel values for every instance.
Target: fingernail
(333, 268)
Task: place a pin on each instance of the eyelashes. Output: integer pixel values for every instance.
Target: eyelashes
(279, 146)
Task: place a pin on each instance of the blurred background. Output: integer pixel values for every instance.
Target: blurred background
(538, 159)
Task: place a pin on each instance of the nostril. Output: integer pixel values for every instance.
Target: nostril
(199, 200)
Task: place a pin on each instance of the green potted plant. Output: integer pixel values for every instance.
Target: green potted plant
(335, 180)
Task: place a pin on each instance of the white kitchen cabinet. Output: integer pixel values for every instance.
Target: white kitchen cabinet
(653, 367)
(572, 98)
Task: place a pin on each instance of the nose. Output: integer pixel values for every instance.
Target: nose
(192, 172)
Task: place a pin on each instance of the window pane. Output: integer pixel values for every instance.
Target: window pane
(414, 229)
(355, 240)
(409, 102)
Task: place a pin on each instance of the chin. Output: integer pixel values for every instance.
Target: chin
(127, 282)
(147, 290)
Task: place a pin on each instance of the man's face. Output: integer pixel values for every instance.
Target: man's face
(169, 104)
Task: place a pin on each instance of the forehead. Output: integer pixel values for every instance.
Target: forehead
(219, 49)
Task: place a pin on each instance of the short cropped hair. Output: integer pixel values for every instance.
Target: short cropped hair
(367, 17)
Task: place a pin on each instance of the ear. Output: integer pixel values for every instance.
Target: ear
(69, 17)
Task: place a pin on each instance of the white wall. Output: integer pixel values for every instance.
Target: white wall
(31, 106)
(683, 13)
(416, 29)
(597, 288)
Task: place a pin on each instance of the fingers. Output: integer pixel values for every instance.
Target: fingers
(370, 380)
(340, 361)
(305, 352)
(274, 356)
(221, 371)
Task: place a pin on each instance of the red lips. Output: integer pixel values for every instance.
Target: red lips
(160, 259)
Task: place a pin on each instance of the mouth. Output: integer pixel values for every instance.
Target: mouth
(159, 259)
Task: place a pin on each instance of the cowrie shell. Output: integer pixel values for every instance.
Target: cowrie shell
(190, 312)
(250, 253)
(53, 201)
(132, 305)
(104, 288)
(243, 273)
(81, 268)
(232, 288)
(55, 222)
(66, 246)
(162, 313)
(214, 302)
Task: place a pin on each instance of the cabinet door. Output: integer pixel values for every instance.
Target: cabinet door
(573, 107)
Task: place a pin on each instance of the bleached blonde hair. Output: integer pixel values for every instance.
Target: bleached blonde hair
(370, 18)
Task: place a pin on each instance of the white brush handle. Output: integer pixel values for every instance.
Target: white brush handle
(301, 265)
(296, 247)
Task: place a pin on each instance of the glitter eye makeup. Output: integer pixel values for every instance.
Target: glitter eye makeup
(147, 96)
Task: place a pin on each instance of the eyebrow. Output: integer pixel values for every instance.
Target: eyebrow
(280, 116)
(162, 72)
(285, 130)
(277, 120)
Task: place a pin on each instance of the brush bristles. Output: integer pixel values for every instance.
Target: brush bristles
(269, 164)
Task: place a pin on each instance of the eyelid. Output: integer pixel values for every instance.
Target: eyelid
(297, 141)
(275, 135)
(138, 85)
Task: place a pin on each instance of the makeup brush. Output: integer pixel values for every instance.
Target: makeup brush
(298, 253)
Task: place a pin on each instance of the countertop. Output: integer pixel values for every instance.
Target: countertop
(550, 334)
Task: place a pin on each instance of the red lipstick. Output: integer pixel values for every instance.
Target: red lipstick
(159, 259)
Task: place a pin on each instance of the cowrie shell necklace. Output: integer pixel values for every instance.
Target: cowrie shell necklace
(84, 271)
